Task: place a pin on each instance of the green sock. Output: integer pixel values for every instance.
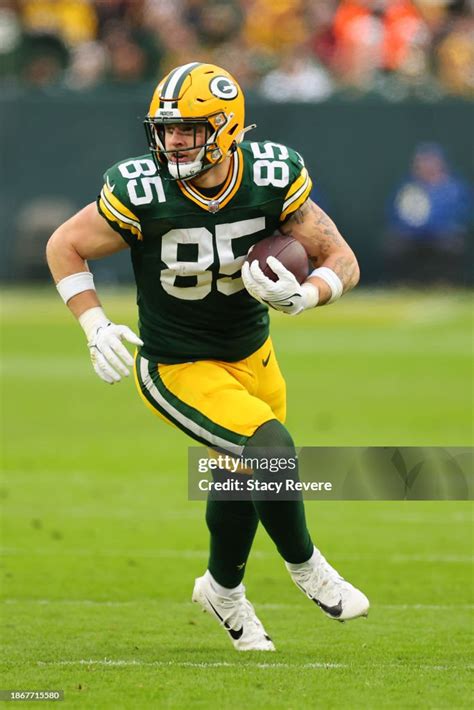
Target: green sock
(232, 524)
(285, 520)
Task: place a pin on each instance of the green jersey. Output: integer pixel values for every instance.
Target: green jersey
(187, 249)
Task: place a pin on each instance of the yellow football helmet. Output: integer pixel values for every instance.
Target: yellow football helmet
(195, 94)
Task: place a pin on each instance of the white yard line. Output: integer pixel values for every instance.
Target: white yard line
(463, 559)
(109, 662)
(198, 554)
(263, 605)
(186, 664)
(451, 518)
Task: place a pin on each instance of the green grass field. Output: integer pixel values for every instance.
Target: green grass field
(101, 545)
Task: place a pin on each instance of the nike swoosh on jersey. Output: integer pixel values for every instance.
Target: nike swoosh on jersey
(235, 633)
(111, 187)
(265, 362)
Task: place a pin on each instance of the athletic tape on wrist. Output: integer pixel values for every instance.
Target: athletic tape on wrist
(332, 279)
(76, 283)
(91, 319)
(310, 295)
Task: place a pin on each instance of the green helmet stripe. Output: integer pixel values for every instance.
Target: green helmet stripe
(173, 84)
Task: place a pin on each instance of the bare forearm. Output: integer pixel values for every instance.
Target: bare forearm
(84, 236)
(345, 265)
(325, 245)
(63, 260)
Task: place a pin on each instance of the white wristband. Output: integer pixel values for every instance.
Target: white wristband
(332, 279)
(76, 283)
(91, 319)
(310, 295)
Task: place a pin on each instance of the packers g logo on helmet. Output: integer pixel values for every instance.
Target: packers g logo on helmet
(196, 94)
(223, 88)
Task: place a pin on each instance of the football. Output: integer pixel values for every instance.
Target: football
(290, 252)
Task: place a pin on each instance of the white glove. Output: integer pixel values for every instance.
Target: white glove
(286, 294)
(110, 359)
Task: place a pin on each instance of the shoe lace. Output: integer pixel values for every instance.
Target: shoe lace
(320, 579)
(240, 612)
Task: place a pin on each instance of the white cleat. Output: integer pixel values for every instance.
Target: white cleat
(323, 585)
(236, 614)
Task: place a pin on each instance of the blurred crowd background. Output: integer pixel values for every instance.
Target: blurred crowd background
(305, 50)
(384, 115)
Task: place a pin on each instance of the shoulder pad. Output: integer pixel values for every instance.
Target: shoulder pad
(283, 169)
(129, 187)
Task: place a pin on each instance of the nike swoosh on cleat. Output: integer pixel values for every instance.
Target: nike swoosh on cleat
(265, 362)
(334, 611)
(235, 633)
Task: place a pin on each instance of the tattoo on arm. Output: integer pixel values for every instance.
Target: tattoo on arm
(345, 267)
(311, 226)
(300, 215)
(323, 234)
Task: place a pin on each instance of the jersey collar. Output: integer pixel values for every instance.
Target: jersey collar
(226, 193)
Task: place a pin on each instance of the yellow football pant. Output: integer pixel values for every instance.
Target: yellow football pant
(219, 404)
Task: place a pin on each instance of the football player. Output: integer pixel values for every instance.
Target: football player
(189, 210)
